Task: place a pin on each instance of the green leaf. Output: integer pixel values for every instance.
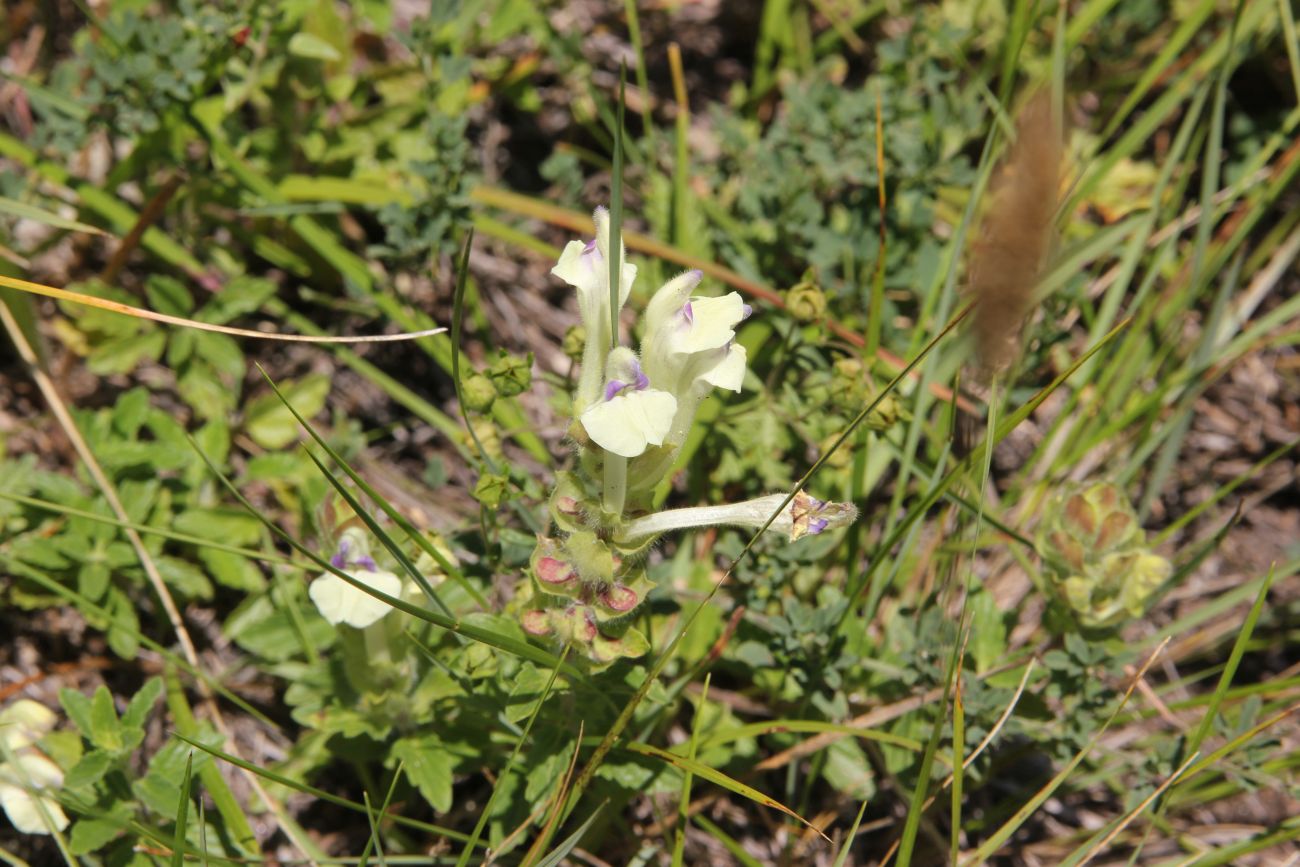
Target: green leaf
(124, 631)
(38, 552)
(232, 570)
(77, 707)
(105, 729)
(89, 770)
(168, 295)
(428, 766)
(184, 577)
(201, 388)
(130, 411)
(848, 770)
(269, 422)
(222, 352)
(89, 835)
(238, 297)
(160, 787)
(124, 354)
(231, 526)
(137, 711)
(92, 580)
(272, 634)
(306, 45)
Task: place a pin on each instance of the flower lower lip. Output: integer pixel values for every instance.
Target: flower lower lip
(613, 387)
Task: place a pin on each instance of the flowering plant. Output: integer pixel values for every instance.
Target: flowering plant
(632, 414)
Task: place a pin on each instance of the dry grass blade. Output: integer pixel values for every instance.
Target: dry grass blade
(1008, 255)
(1105, 841)
(141, 313)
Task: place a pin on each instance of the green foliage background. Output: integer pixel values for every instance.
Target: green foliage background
(311, 167)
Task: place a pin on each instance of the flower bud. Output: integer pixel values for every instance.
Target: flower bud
(574, 340)
(478, 393)
(805, 301)
(511, 374)
(886, 413)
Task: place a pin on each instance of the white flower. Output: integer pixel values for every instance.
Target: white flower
(690, 347)
(585, 267)
(727, 372)
(630, 423)
(686, 338)
(631, 416)
(340, 602)
(25, 772)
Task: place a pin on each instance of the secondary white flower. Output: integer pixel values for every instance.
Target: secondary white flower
(585, 267)
(25, 772)
(729, 372)
(688, 338)
(340, 602)
(631, 416)
(690, 347)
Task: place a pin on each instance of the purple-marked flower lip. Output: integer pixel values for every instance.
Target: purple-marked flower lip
(589, 246)
(340, 559)
(688, 313)
(620, 598)
(366, 563)
(816, 525)
(615, 387)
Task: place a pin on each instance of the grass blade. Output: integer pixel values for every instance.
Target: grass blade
(182, 815)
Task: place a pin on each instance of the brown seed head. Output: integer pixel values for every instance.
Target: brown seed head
(1008, 255)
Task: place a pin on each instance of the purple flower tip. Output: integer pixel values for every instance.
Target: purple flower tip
(613, 387)
(367, 563)
(338, 561)
(745, 312)
(816, 525)
(688, 313)
(697, 274)
(590, 246)
(642, 381)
